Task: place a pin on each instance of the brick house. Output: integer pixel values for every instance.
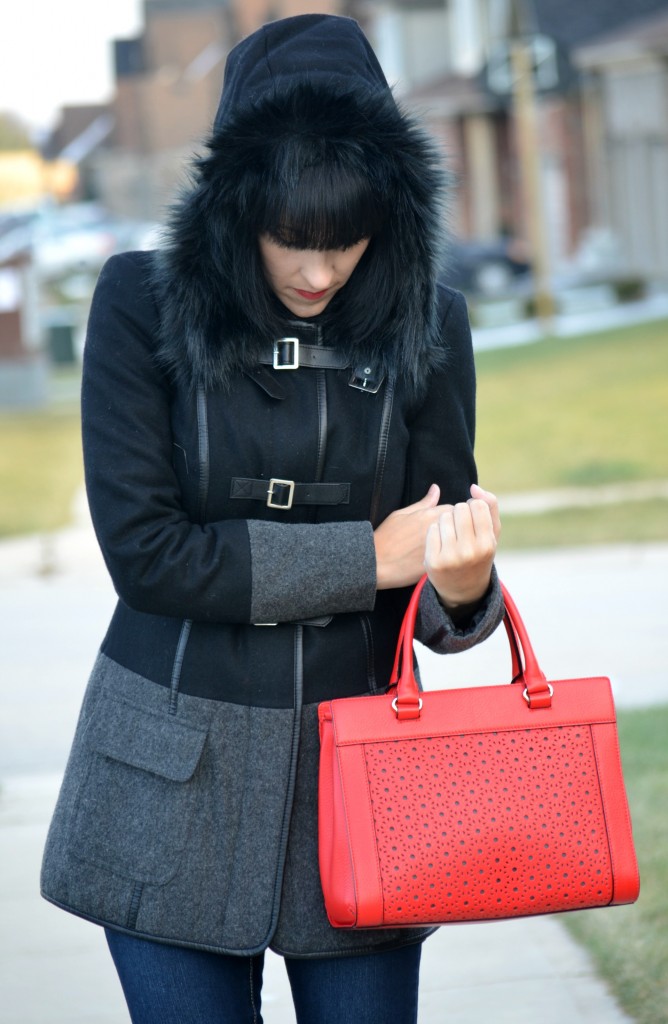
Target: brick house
(476, 122)
(625, 101)
(168, 83)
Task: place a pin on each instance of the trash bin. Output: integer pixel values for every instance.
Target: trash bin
(60, 325)
(61, 343)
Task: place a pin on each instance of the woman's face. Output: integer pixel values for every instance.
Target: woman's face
(305, 280)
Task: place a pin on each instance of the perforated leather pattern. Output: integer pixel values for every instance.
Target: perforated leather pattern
(500, 824)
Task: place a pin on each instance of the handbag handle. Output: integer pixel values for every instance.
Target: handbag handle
(536, 690)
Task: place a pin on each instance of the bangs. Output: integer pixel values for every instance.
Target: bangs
(330, 207)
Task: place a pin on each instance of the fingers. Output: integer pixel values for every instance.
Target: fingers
(479, 494)
(441, 536)
(459, 552)
(430, 500)
(400, 541)
(462, 533)
(455, 543)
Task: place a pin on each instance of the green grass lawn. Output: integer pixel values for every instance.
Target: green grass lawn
(630, 944)
(577, 412)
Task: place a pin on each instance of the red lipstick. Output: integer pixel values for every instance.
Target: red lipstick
(311, 295)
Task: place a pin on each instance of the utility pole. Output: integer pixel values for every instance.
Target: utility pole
(528, 138)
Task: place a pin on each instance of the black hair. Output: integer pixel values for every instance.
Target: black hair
(322, 194)
(331, 206)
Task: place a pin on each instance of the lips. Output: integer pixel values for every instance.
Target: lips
(311, 295)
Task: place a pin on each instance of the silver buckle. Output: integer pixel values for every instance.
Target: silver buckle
(290, 484)
(280, 364)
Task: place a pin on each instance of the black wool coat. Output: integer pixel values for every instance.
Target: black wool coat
(234, 501)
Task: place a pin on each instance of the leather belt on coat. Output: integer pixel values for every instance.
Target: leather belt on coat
(283, 494)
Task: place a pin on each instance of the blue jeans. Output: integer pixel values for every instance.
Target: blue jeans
(174, 985)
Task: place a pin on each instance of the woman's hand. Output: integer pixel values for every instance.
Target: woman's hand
(400, 541)
(460, 548)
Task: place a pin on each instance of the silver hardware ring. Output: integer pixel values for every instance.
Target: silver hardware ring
(395, 706)
(528, 698)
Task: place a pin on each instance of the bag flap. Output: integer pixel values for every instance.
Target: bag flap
(471, 710)
(158, 743)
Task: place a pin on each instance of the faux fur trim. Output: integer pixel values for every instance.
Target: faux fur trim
(206, 336)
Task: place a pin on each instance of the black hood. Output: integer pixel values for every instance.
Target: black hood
(320, 49)
(312, 75)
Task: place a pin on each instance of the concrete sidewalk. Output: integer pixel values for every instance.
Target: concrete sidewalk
(593, 611)
(570, 324)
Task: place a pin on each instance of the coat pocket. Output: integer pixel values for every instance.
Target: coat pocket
(136, 800)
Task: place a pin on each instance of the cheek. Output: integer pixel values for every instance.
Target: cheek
(279, 269)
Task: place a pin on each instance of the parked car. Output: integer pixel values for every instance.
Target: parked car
(484, 268)
(11, 221)
(73, 239)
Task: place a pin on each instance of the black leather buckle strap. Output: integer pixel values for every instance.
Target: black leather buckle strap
(283, 494)
(291, 354)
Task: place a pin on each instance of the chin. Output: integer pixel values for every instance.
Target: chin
(305, 309)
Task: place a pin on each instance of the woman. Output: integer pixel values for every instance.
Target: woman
(273, 407)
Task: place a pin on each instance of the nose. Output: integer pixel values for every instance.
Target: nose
(317, 270)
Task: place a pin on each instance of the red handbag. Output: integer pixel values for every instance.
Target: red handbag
(469, 804)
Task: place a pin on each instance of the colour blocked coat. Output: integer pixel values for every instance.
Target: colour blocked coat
(188, 809)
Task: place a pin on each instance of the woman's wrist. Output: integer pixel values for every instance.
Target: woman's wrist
(462, 609)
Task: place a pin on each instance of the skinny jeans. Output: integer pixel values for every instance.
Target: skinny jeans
(174, 985)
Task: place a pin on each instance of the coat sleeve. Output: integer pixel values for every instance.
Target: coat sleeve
(442, 437)
(160, 561)
(442, 431)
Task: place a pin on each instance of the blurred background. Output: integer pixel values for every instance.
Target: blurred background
(553, 115)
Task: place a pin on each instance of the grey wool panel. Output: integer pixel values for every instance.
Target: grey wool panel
(227, 891)
(172, 859)
(168, 859)
(331, 567)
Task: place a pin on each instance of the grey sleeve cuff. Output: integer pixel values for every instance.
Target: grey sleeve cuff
(436, 630)
(300, 571)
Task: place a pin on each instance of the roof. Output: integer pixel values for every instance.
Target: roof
(643, 37)
(454, 95)
(575, 22)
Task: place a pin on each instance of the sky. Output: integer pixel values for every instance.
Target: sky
(58, 52)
